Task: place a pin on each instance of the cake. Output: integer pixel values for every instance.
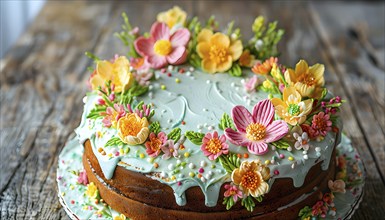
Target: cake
(195, 124)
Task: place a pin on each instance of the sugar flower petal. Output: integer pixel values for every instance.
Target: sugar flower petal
(263, 112)
(160, 31)
(242, 118)
(180, 38)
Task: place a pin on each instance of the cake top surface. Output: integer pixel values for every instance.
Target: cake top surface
(252, 122)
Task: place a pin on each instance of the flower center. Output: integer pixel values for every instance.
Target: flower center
(255, 132)
(321, 124)
(130, 127)
(214, 146)
(218, 54)
(293, 109)
(306, 79)
(155, 143)
(250, 180)
(162, 47)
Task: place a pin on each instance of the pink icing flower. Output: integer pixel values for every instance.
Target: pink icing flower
(256, 130)
(154, 144)
(82, 178)
(337, 186)
(169, 149)
(321, 124)
(319, 209)
(251, 84)
(302, 141)
(213, 146)
(112, 115)
(163, 48)
(232, 190)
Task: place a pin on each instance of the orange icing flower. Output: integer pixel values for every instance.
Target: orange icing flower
(132, 129)
(172, 17)
(265, 67)
(246, 59)
(251, 177)
(291, 109)
(118, 72)
(217, 51)
(307, 80)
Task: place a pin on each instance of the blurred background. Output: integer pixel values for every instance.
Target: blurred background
(15, 17)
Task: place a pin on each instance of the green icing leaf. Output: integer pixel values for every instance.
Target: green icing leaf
(174, 134)
(281, 144)
(115, 141)
(230, 162)
(155, 127)
(229, 202)
(248, 203)
(235, 70)
(195, 137)
(95, 112)
(137, 90)
(305, 212)
(226, 122)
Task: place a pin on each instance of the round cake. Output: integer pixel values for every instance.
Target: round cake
(195, 124)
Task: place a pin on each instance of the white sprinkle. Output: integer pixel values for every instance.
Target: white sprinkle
(318, 149)
(205, 125)
(199, 130)
(84, 99)
(188, 73)
(293, 165)
(211, 172)
(208, 81)
(248, 102)
(191, 165)
(203, 163)
(210, 128)
(157, 76)
(273, 147)
(191, 69)
(208, 176)
(178, 161)
(304, 152)
(305, 157)
(232, 84)
(163, 174)
(236, 88)
(169, 94)
(164, 111)
(205, 109)
(171, 166)
(150, 95)
(243, 81)
(289, 149)
(170, 68)
(150, 87)
(203, 179)
(199, 126)
(169, 120)
(181, 175)
(272, 161)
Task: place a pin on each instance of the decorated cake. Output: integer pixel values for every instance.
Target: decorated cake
(195, 123)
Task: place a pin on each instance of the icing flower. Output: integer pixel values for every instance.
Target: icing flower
(140, 64)
(169, 149)
(337, 186)
(307, 80)
(213, 146)
(291, 108)
(251, 177)
(233, 191)
(319, 209)
(132, 129)
(112, 115)
(265, 67)
(153, 145)
(92, 191)
(163, 48)
(251, 84)
(172, 17)
(117, 71)
(246, 59)
(143, 78)
(82, 178)
(120, 217)
(302, 141)
(217, 51)
(257, 129)
(321, 124)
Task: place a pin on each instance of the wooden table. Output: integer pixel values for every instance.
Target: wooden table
(43, 80)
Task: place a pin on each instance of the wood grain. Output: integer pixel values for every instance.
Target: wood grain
(43, 80)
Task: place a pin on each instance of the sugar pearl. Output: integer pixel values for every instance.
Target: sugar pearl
(318, 149)
(191, 166)
(305, 157)
(171, 166)
(203, 163)
(203, 179)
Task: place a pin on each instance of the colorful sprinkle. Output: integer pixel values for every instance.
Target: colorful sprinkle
(72, 202)
(169, 74)
(201, 170)
(282, 156)
(183, 122)
(72, 187)
(141, 155)
(267, 162)
(156, 165)
(191, 174)
(163, 70)
(290, 158)
(163, 87)
(109, 154)
(199, 175)
(181, 70)
(173, 178)
(177, 80)
(191, 166)
(276, 172)
(186, 154)
(203, 163)
(239, 155)
(179, 183)
(246, 155)
(213, 166)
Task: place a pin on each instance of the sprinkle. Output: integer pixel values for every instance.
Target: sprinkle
(109, 154)
(156, 165)
(246, 155)
(289, 149)
(183, 122)
(150, 159)
(208, 81)
(181, 147)
(100, 149)
(281, 156)
(163, 70)
(141, 155)
(170, 68)
(188, 73)
(276, 172)
(273, 148)
(63, 194)
(163, 174)
(199, 175)
(117, 153)
(267, 162)
(208, 176)
(181, 70)
(305, 157)
(169, 74)
(72, 187)
(201, 170)
(178, 162)
(163, 87)
(272, 161)
(96, 201)
(239, 155)
(210, 128)
(121, 151)
(203, 179)
(191, 166)
(203, 163)
(181, 175)
(179, 183)
(318, 149)
(187, 154)
(199, 126)
(293, 165)
(291, 158)
(171, 166)
(212, 166)
(191, 174)
(304, 152)
(173, 178)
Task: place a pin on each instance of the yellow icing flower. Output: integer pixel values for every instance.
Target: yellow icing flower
(251, 177)
(173, 16)
(276, 73)
(307, 80)
(132, 129)
(291, 109)
(118, 72)
(217, 51)
(120, 217)
(92, 191)
(267, 84)
(246, 59)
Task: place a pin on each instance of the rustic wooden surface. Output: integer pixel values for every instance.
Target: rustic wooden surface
(43, 80)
